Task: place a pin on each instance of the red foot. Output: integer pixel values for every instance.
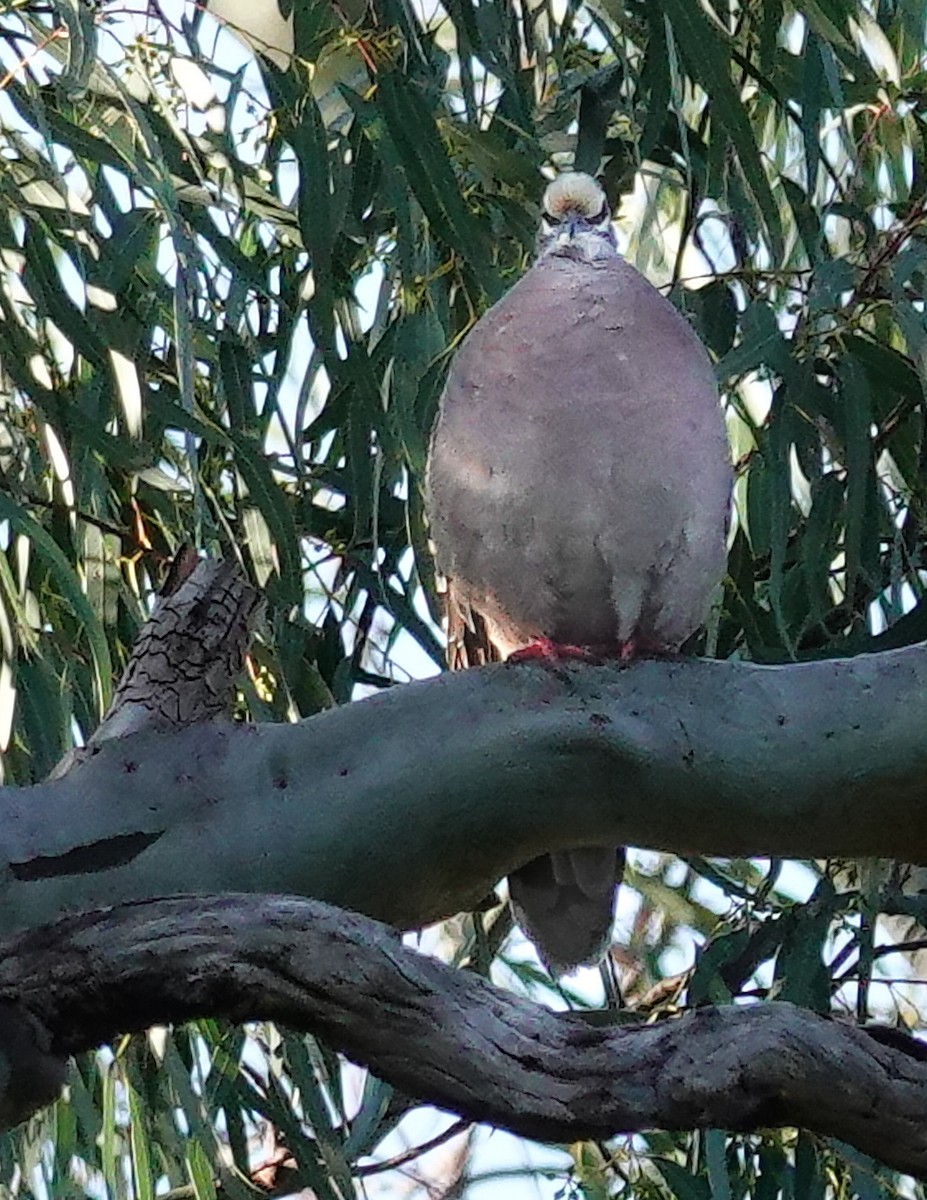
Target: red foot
(546, 650)
(642, 647)
(550, 651)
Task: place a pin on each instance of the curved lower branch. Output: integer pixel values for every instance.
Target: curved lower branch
(452, 1039)
(438, 789)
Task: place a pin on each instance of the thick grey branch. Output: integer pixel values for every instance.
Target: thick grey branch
(452, 1039)
(408, 806)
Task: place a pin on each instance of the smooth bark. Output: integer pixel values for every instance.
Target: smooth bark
(410, 805)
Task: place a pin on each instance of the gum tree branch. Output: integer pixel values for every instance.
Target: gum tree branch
(446, 1037)
(410, 805)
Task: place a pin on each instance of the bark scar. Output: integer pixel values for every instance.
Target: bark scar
(103, 855)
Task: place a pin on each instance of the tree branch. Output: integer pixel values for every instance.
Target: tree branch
(410, 805)
(449, 1037)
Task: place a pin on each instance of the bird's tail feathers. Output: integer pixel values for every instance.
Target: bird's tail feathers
(565, 903)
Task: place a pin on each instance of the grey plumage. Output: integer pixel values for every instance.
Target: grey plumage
(578, 490)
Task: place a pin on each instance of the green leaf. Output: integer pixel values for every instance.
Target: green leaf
(810, 1183)
(709, 61)
(717, 319)
(801, 972)
(270, 499)
(761, 344)
(49, 552)
(715, 1144)
(656, 80)
(857, 419)
(78, 19)
(200, 1172)
(369, 1126)
(415, 136)
(141, 1155)
(42, 277)
(682, 1183)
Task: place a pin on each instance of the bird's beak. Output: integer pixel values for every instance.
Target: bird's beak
(577, 225)
(570, 228)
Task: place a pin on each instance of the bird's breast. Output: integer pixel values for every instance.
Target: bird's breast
(579, 467)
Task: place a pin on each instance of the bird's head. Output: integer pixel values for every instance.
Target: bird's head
(575, 219)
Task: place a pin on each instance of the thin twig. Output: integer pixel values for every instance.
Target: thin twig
(400, 1160)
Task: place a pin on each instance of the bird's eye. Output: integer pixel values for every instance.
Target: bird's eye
(548, 218)
(603, 216)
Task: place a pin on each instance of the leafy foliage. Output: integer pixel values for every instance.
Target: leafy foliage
(227, 300)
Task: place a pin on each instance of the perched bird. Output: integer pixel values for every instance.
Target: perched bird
(578, 490)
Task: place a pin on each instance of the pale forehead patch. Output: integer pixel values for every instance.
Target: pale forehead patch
(574, 192)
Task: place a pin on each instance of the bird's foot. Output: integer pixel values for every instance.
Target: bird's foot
(546, 650)
(636, 648)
